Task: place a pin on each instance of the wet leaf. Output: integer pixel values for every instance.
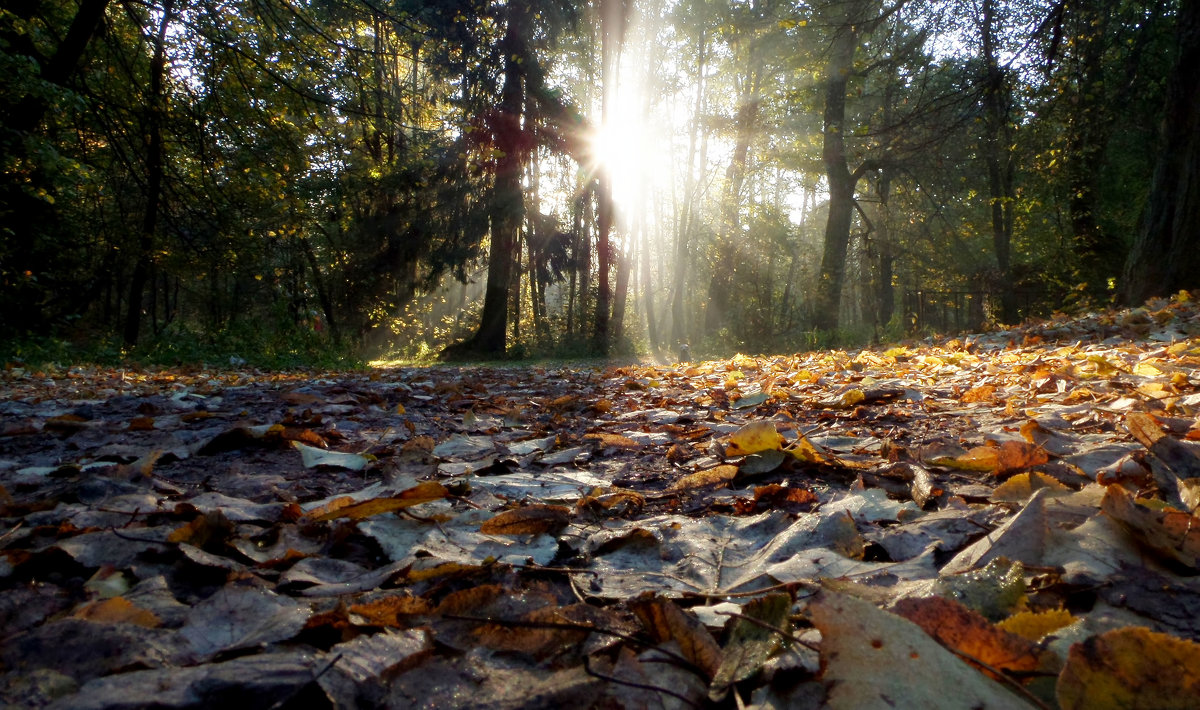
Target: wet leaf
(313, 457)
(750, 644)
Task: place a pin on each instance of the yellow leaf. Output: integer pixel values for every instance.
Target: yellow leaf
(1034, 625)
(1020, 487)
(754, 437)
(1132, 667)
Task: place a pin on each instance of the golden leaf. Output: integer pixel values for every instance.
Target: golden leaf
(1034, 625)
(754, 437)
(1132, 667)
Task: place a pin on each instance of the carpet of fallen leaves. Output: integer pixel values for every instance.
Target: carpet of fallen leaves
(1002, 520)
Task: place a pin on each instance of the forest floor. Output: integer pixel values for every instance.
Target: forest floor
(997, 521)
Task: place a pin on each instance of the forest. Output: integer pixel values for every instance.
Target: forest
(482, 178)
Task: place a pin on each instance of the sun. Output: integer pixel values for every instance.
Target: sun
(624, 150)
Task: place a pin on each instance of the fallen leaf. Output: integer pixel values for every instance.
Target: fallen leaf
(118, 610)
(718, 475)
(754, 437)
(1132, 667)
(872, 659)
(528, 520)
(313, 457)
(1020, 487)
(960, 629)
(665, 621)
(751, 644)
(424, 492)
(1035, 625)
(1171, 532)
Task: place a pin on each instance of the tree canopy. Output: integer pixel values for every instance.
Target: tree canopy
(625, 175)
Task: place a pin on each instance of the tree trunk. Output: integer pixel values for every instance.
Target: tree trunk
(155, 110)
(998, 157)
(1166, 251)
(507, 206)
(683, 235)
(828, 296)
(720, 289)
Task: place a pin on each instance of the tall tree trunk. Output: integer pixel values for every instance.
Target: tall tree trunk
(156, 106)
(647, 285)
(827, 300)
(507, 208)
(1166, 251)
(683, 235)
(998, 142)
(720, 288)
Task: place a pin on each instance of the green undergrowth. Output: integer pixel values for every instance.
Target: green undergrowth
(229, 349)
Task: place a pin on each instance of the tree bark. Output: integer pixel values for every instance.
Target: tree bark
(155, 110)
(683, 235)
(998, 157)
(1166, 251)
(827, 300)
(507, 207)
(721, 285)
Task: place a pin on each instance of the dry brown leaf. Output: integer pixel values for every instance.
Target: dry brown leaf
(389, 611)
(616, 441)
(718, 475)
(665, 621)
(423, 492)
(118, 610)
(529, 520)
(1170, 532)
(1131, 668)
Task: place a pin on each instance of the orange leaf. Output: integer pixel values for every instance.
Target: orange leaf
(388, 611)
(118, 610)
(421, 493)
(530, 520)
(615, 441)
(968, 632)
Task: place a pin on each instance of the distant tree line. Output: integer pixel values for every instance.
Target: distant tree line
(423, 175)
